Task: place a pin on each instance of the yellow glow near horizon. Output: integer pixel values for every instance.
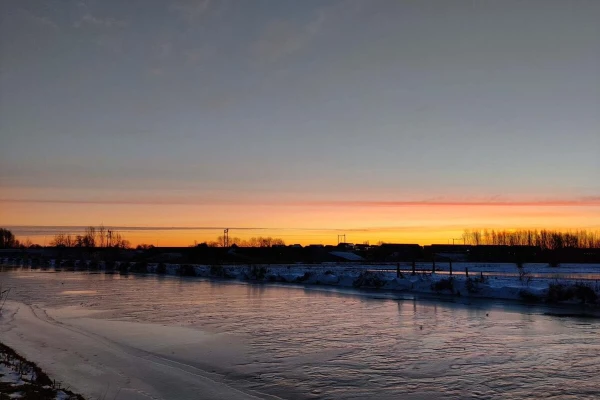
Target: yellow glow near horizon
(301, 223)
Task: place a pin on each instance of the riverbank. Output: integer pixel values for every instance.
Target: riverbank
(22, 379)
(531, 283)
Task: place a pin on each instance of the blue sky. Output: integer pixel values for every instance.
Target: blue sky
(245, 101)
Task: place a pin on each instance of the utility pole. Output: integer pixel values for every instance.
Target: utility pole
(343, 237)
(226, 237)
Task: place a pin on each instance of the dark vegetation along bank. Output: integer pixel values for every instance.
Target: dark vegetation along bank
(519, 246)
(22, 379)
(343, 252)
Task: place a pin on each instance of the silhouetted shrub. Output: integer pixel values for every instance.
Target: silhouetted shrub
(529, 297)
(472, 284)
(304, 277)
(161, 269)
(258, 272)
(525, 276)
(558, 292)
(444, 284)
(585, 293)
(187, 270)
(368, 279)
(218, 271)
(139, 267)
(123, 268)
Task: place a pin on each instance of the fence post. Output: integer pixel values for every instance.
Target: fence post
(466, 272)
(398, 270)
(414, 272)
(450, 267)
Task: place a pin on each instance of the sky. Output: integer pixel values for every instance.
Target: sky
(401, 121)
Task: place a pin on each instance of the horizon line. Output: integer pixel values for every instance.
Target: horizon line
(584, 201)
(355, 229)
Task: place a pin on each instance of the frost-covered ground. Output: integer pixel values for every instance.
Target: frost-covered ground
(534, 282)
(21, 379)
(531, 282)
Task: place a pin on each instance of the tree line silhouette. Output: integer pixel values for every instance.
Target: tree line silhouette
(545, 239)
(259, 241)
(92, 237)
(8, 240)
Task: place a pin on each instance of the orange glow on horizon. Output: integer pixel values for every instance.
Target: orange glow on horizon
(308, 223)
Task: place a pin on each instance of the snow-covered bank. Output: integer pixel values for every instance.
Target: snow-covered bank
(569, 283)
(506, 282)
(105, 359)
(22, 379)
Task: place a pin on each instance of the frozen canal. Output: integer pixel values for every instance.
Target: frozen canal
(150, 337)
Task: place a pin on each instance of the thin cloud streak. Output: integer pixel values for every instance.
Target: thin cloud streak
(582, 202)
(89, 19)
(52, 229)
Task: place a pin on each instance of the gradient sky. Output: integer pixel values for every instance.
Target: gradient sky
(394, 120)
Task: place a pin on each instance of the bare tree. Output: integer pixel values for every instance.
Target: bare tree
(63, 240)
(89, 237)
(7, 239)
(278, 242)
(544, 239)
(119, 241)
(101, 235)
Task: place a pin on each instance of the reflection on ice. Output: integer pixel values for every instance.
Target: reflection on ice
(167, 337)
(82, 292)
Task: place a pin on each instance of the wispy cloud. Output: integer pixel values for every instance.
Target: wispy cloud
(199, 54)
(191, 10)
(42, 21)
(284, 37)
(91, 20)
(30, 19)
(163, 49)
(436, 203)
(578, 202)
(156, 71)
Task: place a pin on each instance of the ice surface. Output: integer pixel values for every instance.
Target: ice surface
(171, 337)
(122, 360)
